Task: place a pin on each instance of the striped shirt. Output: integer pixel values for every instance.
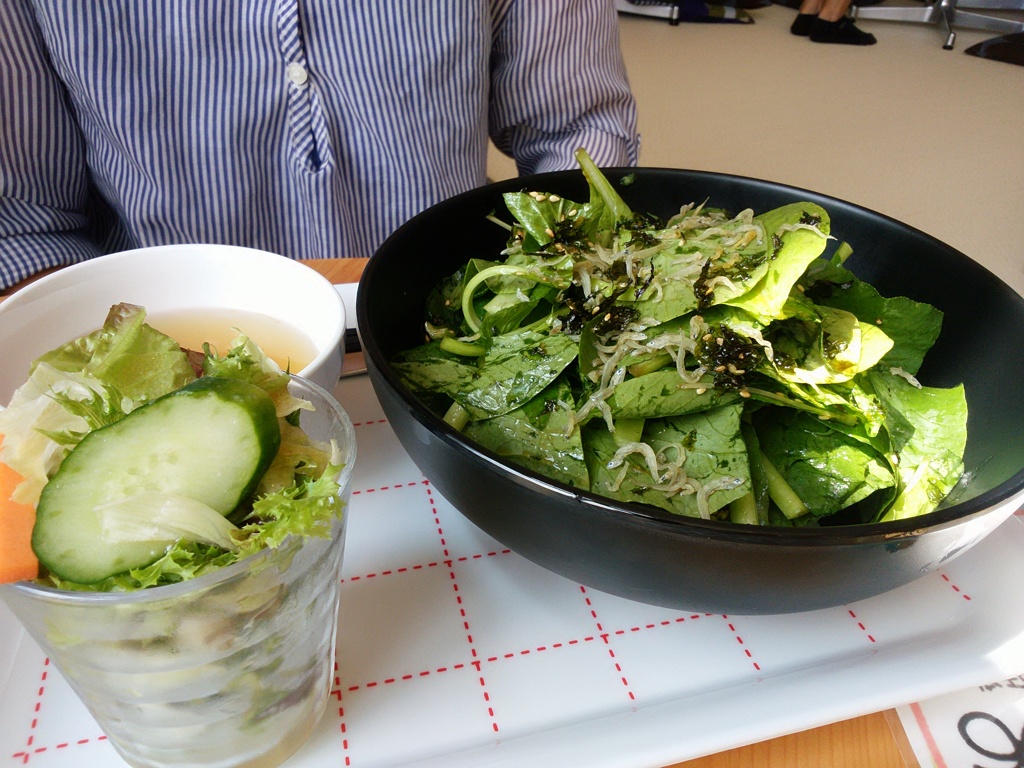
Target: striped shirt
(311, 128)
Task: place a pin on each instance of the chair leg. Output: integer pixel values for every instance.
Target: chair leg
(988, 23)
(947, 14)
(925, 15)
(992, 5)
(947, 23)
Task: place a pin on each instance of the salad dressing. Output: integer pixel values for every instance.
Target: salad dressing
(281, 341)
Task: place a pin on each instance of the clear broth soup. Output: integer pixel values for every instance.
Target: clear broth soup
(282, 342)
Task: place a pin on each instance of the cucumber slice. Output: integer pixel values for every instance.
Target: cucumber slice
(211, 441)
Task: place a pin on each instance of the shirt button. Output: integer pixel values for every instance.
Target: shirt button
(297, 74)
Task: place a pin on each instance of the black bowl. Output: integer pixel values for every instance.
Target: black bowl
(642, 554)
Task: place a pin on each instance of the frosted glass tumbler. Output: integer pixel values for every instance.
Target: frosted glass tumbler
(231, 669)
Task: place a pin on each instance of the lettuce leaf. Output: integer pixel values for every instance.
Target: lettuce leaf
(126, 353)
(661, 393)
(708, 447)
(47, 417)
(539, 435)
(163, 518)
(828, 470)
(247, 362)
(797, 233)
(928, 429)
(913, 326)
(606, 210)
(823, 345)
(87, 383)
(516, 367)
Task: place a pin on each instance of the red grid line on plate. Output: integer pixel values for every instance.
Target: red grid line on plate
(742, 643)
(424, 481)
(342, 724)
(449, 562)
(558, 644)
(369, 423)
(406, 568)
(30, 748)
(954, 586)
(397, 678)
(392, 571)
(554, 646)
(860, 624)
(604, 634)
(606, 639)
(482, 555)
(541, 648)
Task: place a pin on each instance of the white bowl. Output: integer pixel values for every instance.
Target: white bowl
(167, 279)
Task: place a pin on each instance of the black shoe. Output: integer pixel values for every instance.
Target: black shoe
(802, 24)
(844, 32)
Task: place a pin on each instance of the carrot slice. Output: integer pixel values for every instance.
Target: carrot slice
(17, 560)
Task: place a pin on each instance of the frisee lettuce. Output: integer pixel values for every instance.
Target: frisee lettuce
(97, 379)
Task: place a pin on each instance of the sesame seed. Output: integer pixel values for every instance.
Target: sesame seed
(553, 198)
(744, 393)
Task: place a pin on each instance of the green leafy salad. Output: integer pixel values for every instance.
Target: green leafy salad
(147, 464)
(715, 365)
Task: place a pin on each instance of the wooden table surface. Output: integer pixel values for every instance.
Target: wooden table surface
(872, 741)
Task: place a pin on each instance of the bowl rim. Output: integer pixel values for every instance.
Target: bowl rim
(69, 272)
(647, 516)
(67, 276)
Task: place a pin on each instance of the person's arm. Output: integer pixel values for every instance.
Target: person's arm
(43, 178)
(559, 83)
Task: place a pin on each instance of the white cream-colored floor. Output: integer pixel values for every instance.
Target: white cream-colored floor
(932, 137)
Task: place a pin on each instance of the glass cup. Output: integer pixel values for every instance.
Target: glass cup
(227, 670)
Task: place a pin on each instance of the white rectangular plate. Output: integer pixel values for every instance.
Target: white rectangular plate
(453, 651)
